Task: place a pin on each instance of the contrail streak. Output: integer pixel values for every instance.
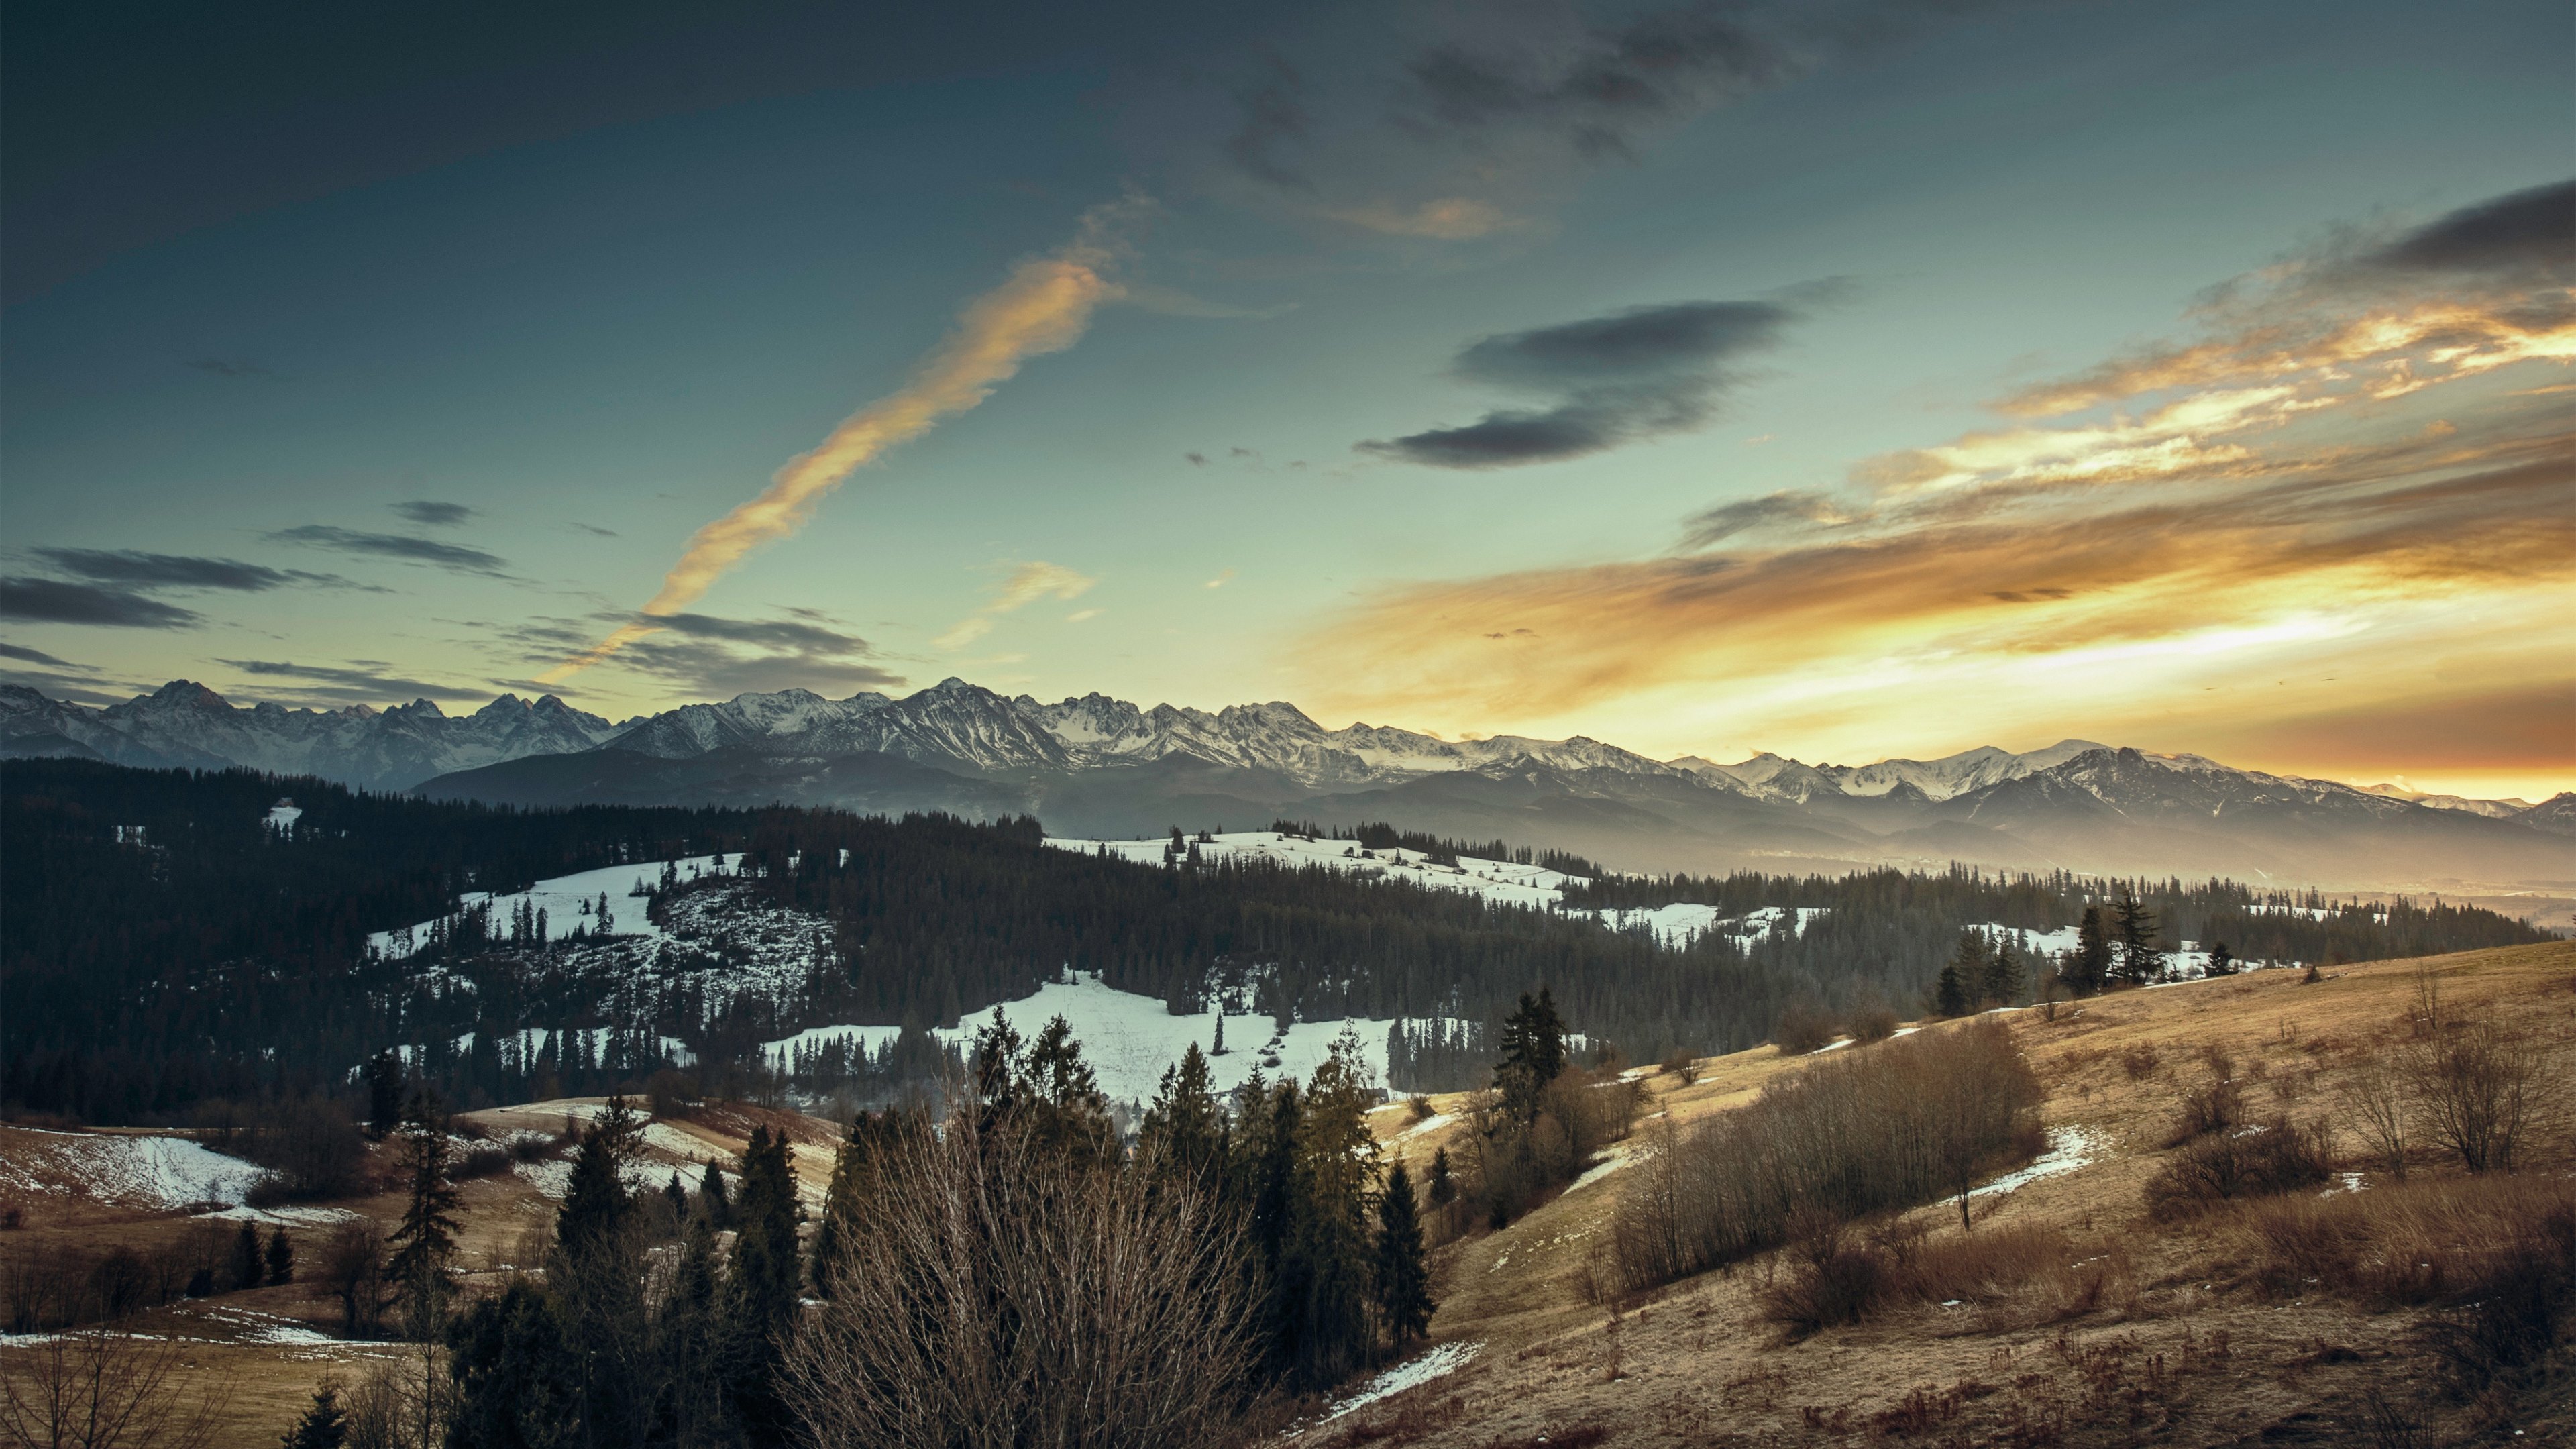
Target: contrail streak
(1044, 307)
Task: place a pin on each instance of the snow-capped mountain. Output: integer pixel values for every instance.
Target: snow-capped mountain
(1099, 766)
(187, 724)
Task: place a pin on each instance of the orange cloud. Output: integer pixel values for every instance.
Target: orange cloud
(1044, 307)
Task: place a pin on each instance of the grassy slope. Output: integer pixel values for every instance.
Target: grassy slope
(1693, 1365)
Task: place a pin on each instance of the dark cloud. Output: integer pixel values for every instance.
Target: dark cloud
(1633, 374)
(764, 633)
(1273, 116)
(595, 528)
(140, 570)
(36, 656)
(711, 668)
(57, 601)
(394, 545)
(1771, 511)
(1597, 88)
(363, 683)
(434, 515)
(2523, 229)
(1196, 459)
(229, 367)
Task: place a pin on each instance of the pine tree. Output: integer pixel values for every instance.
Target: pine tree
(712, 1200)
(1184, 1132)
(677, 1195)
(845, 1197)
(2222, 962)
(1217, 1047)
(1402, 1281)
(247, 1266)
(1533, 1054)
(1441, 1188)
(281, 1257)
(425, 1239)
(761, 1288)
(517, 1382)
(1326, 1264)
(2089, 965)
(1950, 994)
(1967, 969)
(324, 1426)
(2134, 931)
(384, 1094)
(596, 1204)
(2003, 980)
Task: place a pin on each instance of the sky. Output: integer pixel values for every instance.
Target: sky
(1846, 380)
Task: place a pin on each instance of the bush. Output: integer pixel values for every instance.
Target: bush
(2477, 1089)
(2408, 1244)
(2215, 1106)
(1853, 1134)
(1832, 1277)
(2254, 1162)
(1873, 1023)
(1802, 1029)
(1679, 1062)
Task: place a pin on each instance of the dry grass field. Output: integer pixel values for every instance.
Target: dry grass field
(2066, 1315)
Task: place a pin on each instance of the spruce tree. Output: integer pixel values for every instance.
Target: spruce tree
(1402, 1281)
(759, 1304)
(425, 1239)
(517, 1383)
(384, 1094)
(711, 1197)
(324, 1426)
(844, 1198)
(1184, 1133)
(248, 1267)
(281, 1257)
(2222, 962)
(1950, 994)
(2003, 980)
(1441, 1188)
(1533, 1054)
(2090, 963)
(677, 1195)
(2134, 931)
(1326, 1262)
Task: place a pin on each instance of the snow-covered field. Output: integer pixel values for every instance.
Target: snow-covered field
(564, 900)
(2068, 1149)
(1495, 880)
(158, 1172)
(1447, 1358)
(1129, 1038)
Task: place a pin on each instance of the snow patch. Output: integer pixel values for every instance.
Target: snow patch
(2068, 1149)
(1448, 1358)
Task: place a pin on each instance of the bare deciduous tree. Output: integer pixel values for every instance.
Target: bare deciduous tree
(999, 1293)
(2372, 1101)
(2476, 1087)
(96, 1388)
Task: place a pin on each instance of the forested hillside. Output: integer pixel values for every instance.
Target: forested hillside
(164, 943)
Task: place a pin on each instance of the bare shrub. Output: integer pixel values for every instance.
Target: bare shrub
(101, 1387)
(2140, 1061)
(2371, 1101)
(2215, 1105)
(1874, 1022)
(352, 1269)
(999, 1293)
(2256, 1162)
(1678, 1062)
(1829, 1276)
(1982, 1266)
(2418, 1243)
(2477, 1088)
(1852, 1134)
(311, 1148)
(1803, 1028)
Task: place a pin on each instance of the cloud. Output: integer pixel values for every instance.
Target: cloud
(1079, 615)
(1273, 117)
(2524, 229)
(55, 601)
(1633, 374)
(429, 551)
(1044, 307)
(363, 682)
(2350, 492)
(1026, 584)
(1771, 512)
(430, 514)
(140, 570)
(1197, 460)
(1447, 218)
(1220, 581)
(595, 528)
(36, 656)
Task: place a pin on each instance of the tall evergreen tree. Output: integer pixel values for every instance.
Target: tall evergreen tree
(712, 1198)
(1950, 994)
(2134, 932)
(517, 1382)
(1441, 1188)
(281, 1256)
(248, 1266)
(759, 1304)
(1184, 1132)
(2222, 962)
(1967, 970)
(2089, 965)
(1326, 1265)
(2004, 980)
(425, 1239)
(1402, 1281)
(1533, 1044)
(384, 1094)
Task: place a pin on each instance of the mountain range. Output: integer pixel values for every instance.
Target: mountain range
(1100, 767)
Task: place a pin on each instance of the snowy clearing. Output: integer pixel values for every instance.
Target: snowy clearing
(1448, 1358)
(566, 899)
(2068, 1149)
(1495, 880)
(159, 1172)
